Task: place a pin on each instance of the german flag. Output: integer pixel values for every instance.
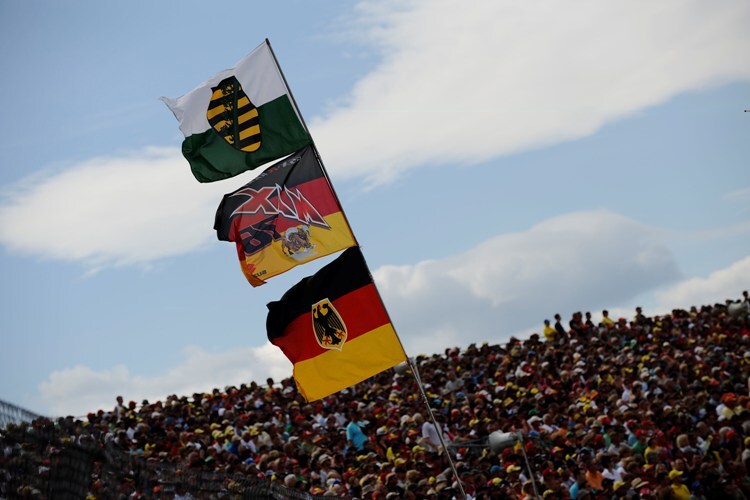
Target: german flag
(334, 328)
(285, 217)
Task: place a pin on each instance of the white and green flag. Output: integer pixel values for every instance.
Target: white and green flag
(239, 119)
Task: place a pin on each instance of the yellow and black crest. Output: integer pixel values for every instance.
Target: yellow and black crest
(330, 330)
(233, 116)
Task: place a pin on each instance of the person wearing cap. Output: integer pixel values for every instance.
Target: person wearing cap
(679, 490)
(619, 489)
(638, 484)
(745, 457)
(324, 467)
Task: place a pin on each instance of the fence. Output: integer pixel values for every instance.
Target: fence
(12, 414)
(40, 460)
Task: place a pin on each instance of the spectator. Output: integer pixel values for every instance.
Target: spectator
(657, 406)
(549, 332)
(354, 435)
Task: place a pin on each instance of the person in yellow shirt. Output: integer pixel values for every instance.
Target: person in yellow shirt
(606, 320)
(679, 490)
(652, 451)
(549, 332)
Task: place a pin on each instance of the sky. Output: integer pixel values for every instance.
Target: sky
(498, 161)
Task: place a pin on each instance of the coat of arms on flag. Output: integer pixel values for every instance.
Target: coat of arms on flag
(334, 328)
(285, 217)
(330, 330)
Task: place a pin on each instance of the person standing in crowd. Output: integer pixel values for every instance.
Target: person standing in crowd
(678, 490)
(549, 332)
(629, 404)
(579, 484)
(430, 432)
(606, 320)
(576, 325)
(589, 323)
(639, 318)
(559, 328)
(119, 410)
(354, 434)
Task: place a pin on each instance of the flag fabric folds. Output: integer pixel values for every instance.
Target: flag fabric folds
(334, 328)
(285, 217)
(239, 119)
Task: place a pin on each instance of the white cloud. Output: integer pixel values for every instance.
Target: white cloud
(504, 286)
(112, 210)
(79, 390)
(457, 83)
(466, 82)
(740, 198)
(727, 283)
(501, 287)
(741, 195)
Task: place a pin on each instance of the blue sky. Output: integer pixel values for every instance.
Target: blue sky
(499, 162)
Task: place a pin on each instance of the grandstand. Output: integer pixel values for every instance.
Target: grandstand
(641, 407)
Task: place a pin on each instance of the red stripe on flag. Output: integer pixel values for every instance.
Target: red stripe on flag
(316, 199)
(361, 310)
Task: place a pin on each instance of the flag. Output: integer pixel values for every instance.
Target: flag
(285, 217)
(238, 120)
(334, 328)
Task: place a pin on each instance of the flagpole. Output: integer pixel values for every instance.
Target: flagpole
(288, 89)
(318, 157)
(418, 379)
(438, 428)
(413, 366)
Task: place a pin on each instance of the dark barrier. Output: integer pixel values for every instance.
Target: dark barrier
(12, 414)
(41, 461)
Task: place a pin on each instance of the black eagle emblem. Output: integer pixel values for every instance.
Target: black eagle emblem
(233, 116)
(330, 330)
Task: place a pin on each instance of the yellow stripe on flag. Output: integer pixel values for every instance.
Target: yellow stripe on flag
(272, 260)
(248, 116)
(215, 111)
(358, 360)
(254, 130)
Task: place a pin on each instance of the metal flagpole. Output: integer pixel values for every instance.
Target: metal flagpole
(439, 429)
(333, 190)
(317, 154)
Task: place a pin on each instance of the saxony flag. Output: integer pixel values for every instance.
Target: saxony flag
(334, 328)
(238, 120)
(285, 217)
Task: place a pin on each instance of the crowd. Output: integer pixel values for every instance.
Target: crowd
(642, 407)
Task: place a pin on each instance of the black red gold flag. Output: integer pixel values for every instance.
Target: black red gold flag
(334, 328)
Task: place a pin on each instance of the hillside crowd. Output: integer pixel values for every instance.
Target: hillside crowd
(642, 407)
